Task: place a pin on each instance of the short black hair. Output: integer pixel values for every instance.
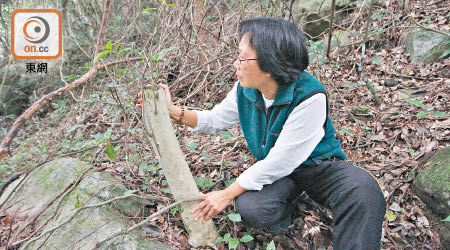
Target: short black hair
(279, 45)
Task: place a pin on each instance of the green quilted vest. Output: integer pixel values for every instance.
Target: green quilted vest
(261, 131)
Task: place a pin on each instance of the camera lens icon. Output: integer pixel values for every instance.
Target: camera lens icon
(36, 29)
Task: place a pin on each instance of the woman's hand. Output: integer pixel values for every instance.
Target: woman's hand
(186, 117)
(139, 104)
(214, 202)
(167, 94)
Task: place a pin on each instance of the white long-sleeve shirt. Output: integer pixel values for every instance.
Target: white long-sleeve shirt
(300, 134)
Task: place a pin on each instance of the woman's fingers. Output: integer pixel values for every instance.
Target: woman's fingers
(211, 214)
(166, 92)
(139, 104)
(202, 213)
(199, 206)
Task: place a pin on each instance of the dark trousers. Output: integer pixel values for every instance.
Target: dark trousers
(352, 194)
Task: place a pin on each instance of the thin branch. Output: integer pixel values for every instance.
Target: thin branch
(361, 65)
(4, 77)
(27, 172)
(199, 67)
(409, 77)
(330, 29)
(11, 222)
(99, 244)
(69, 187)
(77, 211)
(9, 181)
(430, 29)
(218, 38)
(106, 7)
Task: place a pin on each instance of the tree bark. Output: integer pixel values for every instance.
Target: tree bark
(160, 133)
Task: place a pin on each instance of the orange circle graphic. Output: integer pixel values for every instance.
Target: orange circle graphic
(25, 29)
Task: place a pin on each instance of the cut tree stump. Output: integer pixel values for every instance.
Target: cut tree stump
(159, 131)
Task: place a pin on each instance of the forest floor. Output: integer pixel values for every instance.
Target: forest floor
(391, 140)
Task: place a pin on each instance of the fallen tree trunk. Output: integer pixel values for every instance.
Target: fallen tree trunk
(160, 133)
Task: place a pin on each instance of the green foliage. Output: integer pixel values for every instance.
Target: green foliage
(5, 170)
(175, 210)
(77, 203)
(147, 167)
(346, 131)
(447, 219)
(225, 135)
(440, 114)
(317, 52)
(110, 152)
(108, 45)
(230, 181)
(411, 151)
(425, 109)
(396, 207)
(417, 103)
(364, 124)
(447, 51)
(376, 60)
(235, 217)
(102, 138)
(391, 216)
(148, 11)
(160, 56)
(246, 238)
(102, 54)
(271, 246)
(124, 50)
(166, 190)
(207, 105)
(232, 242)
(203, 182)
(128, 192)
(192, 146)
(169, 5)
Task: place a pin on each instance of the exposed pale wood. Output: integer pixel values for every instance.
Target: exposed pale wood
(160, 132)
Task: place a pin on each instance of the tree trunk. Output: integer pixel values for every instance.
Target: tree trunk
(159, 131)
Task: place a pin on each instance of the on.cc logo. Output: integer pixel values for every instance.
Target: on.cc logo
(36, 24)
(36, 34)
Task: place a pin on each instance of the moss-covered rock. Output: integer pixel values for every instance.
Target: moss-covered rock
(444, 235)
(312, 15)
(425, 46)
(89, 226)
(340, 38)
(432, 184)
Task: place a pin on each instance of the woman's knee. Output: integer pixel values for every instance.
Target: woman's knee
(257, 214)
(368, 190)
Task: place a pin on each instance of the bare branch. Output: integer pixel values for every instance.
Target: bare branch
(330, 29)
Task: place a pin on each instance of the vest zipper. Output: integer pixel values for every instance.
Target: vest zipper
(269, 112)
